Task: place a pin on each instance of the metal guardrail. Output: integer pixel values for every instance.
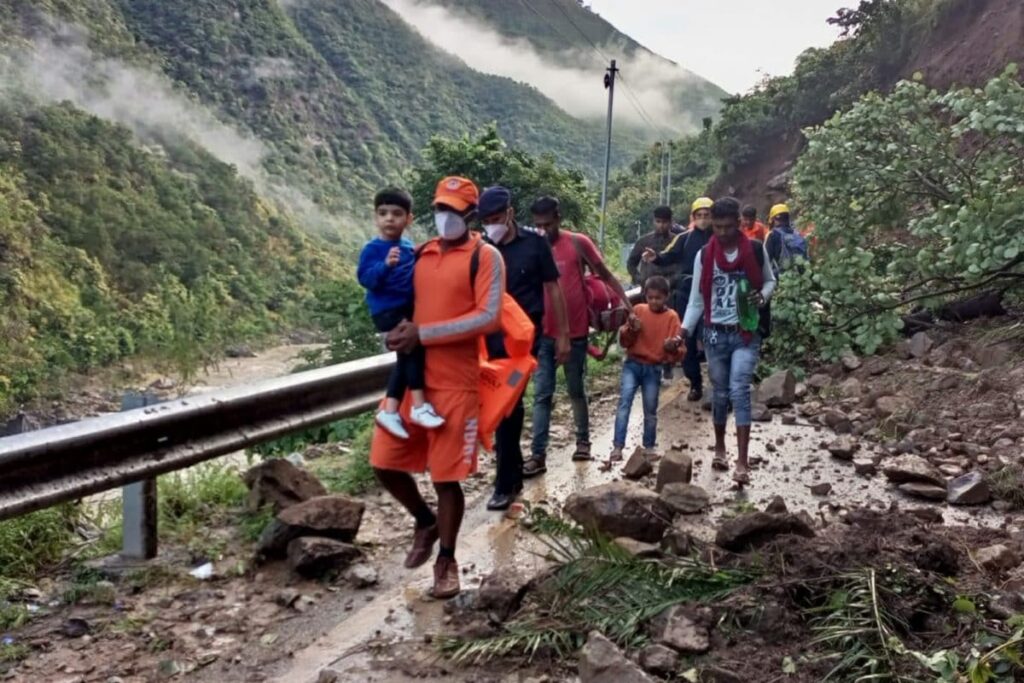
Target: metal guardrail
(68, 462)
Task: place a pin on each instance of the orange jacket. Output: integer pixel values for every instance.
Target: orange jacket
(758, 232)
(648, 344)
(452, 313)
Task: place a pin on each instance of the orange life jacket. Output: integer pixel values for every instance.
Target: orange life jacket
(503, 380)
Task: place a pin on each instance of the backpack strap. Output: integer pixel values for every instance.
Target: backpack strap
(581, 255)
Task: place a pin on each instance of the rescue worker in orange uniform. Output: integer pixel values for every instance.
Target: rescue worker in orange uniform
(452, 309)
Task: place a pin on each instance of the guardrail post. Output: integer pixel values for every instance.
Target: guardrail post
(139, 502)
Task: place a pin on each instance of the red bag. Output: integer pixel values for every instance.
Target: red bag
(606, 310)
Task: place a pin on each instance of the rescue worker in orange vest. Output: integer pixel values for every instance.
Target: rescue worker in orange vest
(451, 313)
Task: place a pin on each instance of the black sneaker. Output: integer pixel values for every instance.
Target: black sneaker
(501, 501)
(696, 394)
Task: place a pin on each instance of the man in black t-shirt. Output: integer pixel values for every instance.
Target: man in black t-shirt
(529, 270)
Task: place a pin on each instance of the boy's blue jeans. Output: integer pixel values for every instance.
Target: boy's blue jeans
(731, 365)
(647, 379)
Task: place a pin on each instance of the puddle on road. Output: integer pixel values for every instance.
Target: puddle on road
(361, 647)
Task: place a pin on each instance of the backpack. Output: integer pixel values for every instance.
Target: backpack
(764, 325)
(606, 311)
(793, 245)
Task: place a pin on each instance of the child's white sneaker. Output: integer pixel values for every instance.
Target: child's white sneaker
(425, 416)
(392, 423)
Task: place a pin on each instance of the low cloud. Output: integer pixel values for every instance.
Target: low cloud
(59, 66)
(578, 91)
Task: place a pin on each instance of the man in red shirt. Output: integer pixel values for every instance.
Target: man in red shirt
(452, 311)
(574, 252)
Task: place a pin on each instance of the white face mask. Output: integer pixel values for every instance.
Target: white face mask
(496, 232)
(450, 225)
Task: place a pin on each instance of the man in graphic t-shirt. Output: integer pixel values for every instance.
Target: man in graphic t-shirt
(573, 253)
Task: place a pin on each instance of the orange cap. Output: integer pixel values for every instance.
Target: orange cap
(456, 192)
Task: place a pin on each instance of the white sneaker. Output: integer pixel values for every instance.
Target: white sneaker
(425, 416)
(392, 423)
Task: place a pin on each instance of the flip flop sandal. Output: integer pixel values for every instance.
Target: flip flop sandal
(534, 467)
(582, 453)
(741, 478)
(720, 462)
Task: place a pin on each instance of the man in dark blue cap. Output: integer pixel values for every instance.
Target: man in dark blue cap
(530, 270)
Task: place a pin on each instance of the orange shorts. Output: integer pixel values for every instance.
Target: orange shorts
(449, 453)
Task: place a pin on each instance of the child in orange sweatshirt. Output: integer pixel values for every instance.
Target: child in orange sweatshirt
(652, 340)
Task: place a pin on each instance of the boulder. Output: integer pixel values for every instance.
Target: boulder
(621, 508)
(502, 591)
(601, 661)
(334, 516)
(926, 491)
(659, 660)
(843, 447)
(778, 390)
(280, 484)
(997, 558)
(969, 489)
(684, 629)
(777, 506)
(638, 466)
(686, 499)
(313, 556)
(920, 345)
(893, 406)
(757, 528)
(912, 468)
(674, 468)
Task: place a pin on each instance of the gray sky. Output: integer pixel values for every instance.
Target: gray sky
(767, 35)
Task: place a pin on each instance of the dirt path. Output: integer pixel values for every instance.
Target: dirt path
(385, 639)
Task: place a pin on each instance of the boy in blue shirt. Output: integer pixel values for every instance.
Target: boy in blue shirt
(385, 270)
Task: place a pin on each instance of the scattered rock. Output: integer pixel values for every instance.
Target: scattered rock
(602, 662)
(997, 558)
(822, 489)
(683, 629)
(969, 489)
(778, 390)
(328, 676)
(163, 384)
(674, 468)
(638, 466)
(757, 528)
(168, 668)
(893, 406)
(686, 499)
(240, 351)
(20, 424)
(638, 548)
(280, 484)
(659, 659)
(850, 362)
(926, 491)
(677, 541)
(865, 466)
(287, 597)
(777, 506)
(502, 591)
(920, 345)
(313, 556)
(844, 447)
(912, 468)
(75, 628)
(850, 388)
(837, 421)
(622, 508)
(819, 381)
(761, 413)
(362, 576)
(336, 516)
(717, 674)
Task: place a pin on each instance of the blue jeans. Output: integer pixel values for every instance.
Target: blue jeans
(575, 370)
(646, 378)
(731, 365)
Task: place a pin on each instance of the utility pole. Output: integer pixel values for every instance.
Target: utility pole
(609, 85)
(668, 177)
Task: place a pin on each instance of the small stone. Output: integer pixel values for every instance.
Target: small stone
(761, 413)
(777, 506)
(921, 490)
(893, 406)
(686, 499)
(328, 676)
(638, 548)
(778, 390)
(997, 558)
(638, 466)
(850, 362)
(951, 470)
(75, 628)
(168, 668)
(819, 381)
(362, 576)
(659, 659)
(864, 466)
(912, 468)
(843, 447)
(312, 556)
(683, 629)
(850, 388)
(674, 468)
(601, 661)
(822, 489)
(287, 597)
(920, 345)
(502, 591)
(677, 541)
(969, 489)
